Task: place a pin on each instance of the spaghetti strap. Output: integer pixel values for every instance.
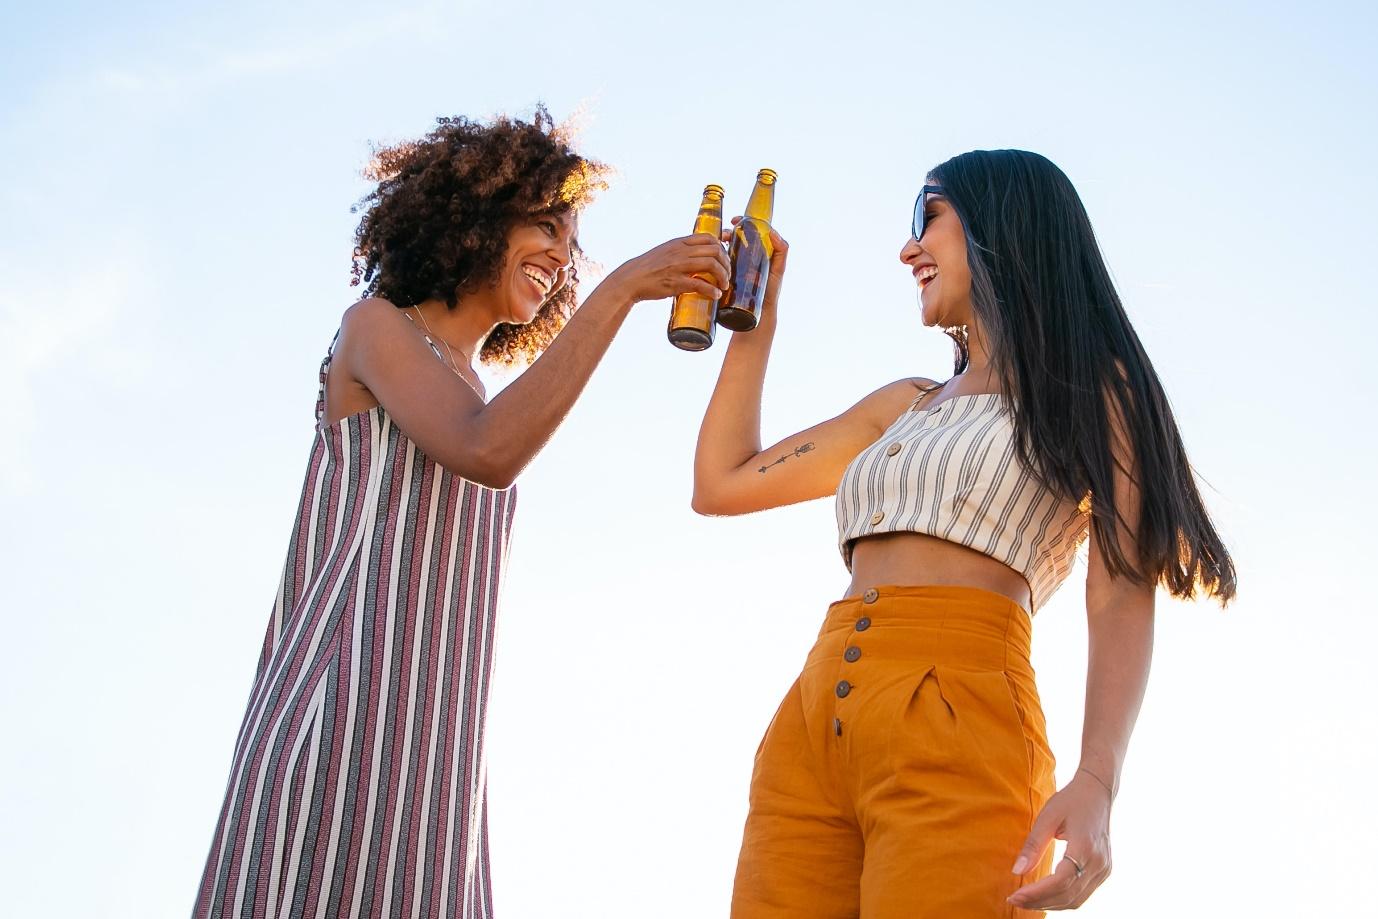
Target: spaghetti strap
(325, 369)
(330, 353)
(923, 395)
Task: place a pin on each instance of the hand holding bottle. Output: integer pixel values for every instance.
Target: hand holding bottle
(750, 254)
(672, 267)
(779, 254)
(694, 319)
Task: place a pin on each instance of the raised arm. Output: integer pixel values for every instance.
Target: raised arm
(732, 474)
(491, 444)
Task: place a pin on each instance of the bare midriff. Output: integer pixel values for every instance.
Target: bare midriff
(914, 559)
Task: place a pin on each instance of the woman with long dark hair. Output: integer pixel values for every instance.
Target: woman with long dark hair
(357, 786)
(907, 772)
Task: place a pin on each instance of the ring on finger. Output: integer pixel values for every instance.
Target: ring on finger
(1081, 869)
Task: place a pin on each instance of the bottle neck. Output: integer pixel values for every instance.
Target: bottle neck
(710, 215)
(761, 205)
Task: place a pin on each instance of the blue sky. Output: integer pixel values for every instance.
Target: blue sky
(176, 259)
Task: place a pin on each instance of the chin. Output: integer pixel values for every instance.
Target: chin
(522, 313)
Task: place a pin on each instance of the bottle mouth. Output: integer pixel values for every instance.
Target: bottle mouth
(713, 190)
(766, 175)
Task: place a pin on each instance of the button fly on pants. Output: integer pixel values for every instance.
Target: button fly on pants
(904, 767)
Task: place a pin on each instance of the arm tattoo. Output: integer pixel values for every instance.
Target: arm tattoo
(798, 451)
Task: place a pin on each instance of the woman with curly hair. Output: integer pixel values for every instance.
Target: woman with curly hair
(357, 786)
(907, 772)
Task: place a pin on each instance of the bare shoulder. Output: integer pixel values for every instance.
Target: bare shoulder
(902, 394)
(373, 324)
(883, 406)
(371, 333)
(370, 314)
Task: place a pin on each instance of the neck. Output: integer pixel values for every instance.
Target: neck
(979, 365)
(463, 328)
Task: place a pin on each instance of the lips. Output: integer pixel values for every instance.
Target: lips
(540, 278)
(925, 274)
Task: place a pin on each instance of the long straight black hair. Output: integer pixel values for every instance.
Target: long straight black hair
(1062, 346)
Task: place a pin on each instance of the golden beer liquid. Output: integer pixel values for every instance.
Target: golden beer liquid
(693, 318)
(750, 253)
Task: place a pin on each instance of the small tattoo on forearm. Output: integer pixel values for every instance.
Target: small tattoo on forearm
(798, 451)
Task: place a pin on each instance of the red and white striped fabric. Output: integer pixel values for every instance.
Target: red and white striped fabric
(357, 786)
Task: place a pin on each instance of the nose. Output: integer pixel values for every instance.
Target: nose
(910, 251)
(564, 250)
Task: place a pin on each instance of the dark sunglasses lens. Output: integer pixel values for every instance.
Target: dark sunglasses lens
(916, 227)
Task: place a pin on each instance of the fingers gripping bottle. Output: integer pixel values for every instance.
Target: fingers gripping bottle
(750, 253)
(693, 319)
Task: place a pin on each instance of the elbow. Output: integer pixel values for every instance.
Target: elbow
(484, 469)
(701, 503)
(500, 476)
(497, 481)
(707, 502)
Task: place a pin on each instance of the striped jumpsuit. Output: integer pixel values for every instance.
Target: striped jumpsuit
(357, 786)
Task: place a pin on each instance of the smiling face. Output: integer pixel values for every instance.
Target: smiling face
(938, 262)
(540, 256)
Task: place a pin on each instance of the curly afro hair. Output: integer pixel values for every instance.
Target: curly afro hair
(436, 225)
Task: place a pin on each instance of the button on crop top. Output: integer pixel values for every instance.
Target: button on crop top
(952, 471)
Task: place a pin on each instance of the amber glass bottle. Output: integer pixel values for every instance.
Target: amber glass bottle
(693, 318)
(740, 309)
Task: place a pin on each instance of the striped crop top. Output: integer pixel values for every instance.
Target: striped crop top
(952, 471)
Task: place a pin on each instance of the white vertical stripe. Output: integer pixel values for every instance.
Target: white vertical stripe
(312, 736)
(458, 781)
(467, 659)
(380, 726)
(409, 713)
(437, 685)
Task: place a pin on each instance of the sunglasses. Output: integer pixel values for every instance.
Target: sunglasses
(921, 209)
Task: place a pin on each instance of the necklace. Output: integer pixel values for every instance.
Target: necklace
(454, 365)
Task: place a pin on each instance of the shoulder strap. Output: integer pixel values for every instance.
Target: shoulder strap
(325, 369)
(922, 396)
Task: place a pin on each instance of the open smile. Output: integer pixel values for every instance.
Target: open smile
(540, 279)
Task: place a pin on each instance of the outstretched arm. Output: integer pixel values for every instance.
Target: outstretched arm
(491, 443)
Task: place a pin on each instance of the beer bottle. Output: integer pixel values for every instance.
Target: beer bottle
(693, 317)
(750, 253)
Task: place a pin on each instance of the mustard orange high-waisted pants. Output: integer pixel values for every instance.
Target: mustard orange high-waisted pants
(904, 769)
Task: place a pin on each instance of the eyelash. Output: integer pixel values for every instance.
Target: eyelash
(549, 227)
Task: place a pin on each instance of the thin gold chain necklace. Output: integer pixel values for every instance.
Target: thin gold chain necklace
(454, 365)
(430, 336)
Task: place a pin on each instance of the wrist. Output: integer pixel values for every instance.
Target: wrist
(1106, 781)
(758, 339)
(612, 294)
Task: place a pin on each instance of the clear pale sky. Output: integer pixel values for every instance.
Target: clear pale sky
(175, 258)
